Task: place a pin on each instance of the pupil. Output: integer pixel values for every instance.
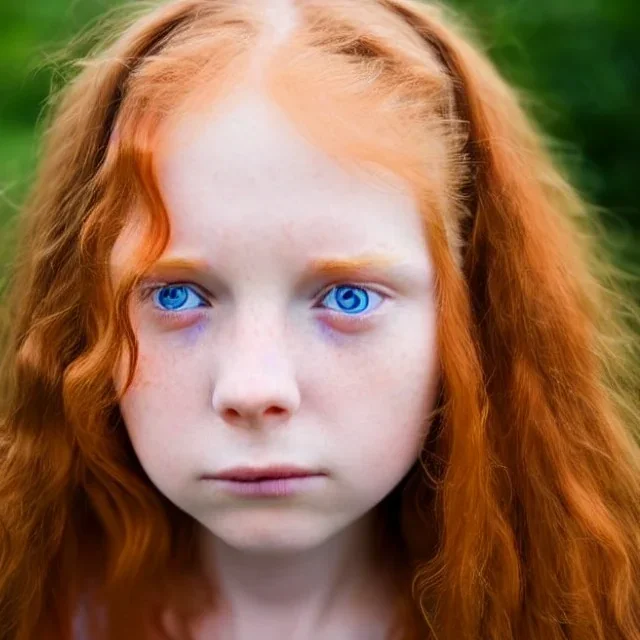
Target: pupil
(350, 298)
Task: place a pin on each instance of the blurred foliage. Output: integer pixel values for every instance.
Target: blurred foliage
(578, 64)
(575, 61)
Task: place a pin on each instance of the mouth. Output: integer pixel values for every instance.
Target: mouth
(277, 488)
(257, 474)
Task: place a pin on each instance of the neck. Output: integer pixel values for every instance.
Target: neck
(301, 594)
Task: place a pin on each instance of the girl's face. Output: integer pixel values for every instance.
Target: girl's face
(256, 359)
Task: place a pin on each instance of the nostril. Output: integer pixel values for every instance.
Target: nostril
(234, 414)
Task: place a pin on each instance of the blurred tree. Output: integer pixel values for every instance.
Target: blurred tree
(579, 63)
(30, 33)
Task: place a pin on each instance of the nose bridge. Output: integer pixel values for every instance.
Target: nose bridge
(259, 333)
(256, 373)
(260, 319)
(259, 323)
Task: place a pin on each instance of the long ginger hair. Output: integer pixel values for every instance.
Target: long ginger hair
(521, 519)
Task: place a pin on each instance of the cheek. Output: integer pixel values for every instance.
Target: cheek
(391, 444)
(156, 408)
(156, 367)
(145, 367)
(392, 402)
(155, 428)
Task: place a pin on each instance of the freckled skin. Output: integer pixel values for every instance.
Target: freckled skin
(265, 375)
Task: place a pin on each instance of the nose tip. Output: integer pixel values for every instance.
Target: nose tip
(256, 404)
(255, 384)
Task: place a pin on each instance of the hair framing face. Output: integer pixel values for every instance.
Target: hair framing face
(533, 447)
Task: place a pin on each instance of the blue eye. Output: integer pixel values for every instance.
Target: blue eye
(351, 300)
(173, 296)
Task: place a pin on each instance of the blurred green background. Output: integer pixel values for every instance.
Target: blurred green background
(575, 60)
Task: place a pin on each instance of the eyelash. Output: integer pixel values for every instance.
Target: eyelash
(147, 291)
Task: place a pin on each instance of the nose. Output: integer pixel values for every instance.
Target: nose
(256, 390)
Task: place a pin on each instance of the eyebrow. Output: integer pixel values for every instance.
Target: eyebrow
(327, 267)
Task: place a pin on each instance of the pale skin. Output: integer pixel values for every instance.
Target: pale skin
(258, 363)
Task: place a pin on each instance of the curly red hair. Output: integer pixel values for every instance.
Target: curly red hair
(521, 518)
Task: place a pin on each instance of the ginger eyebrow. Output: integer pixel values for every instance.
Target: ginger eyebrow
(334, 267)
(322, 266)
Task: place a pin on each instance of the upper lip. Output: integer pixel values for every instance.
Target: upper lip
(259, 473)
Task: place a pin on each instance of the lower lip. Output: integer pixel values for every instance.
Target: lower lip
(273, 488)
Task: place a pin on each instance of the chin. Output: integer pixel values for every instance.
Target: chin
(274, 533)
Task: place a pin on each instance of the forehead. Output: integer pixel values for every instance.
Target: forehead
(241, 184)
(244, 140)
(244, 163)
